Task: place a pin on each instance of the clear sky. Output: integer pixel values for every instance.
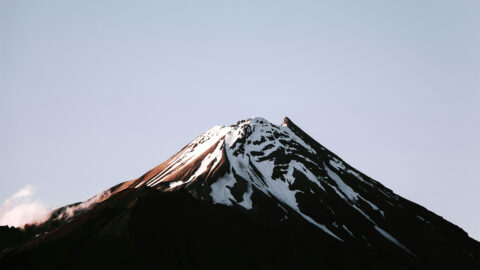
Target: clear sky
(97, 92)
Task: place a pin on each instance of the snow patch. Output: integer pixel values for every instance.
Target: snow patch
(347, 190)
(300, 167)
(298, 139)
(373, 206)
(340, 166)
(201, 144)
(393, 240)
(221, 189)
(363, 213)
(346, 229)
(280, 190)
(337, 164)
(175, 184)
(323, 227)
(213, 157)
(247, 198)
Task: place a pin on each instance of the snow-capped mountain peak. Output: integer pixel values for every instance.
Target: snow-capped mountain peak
(254, 158)
(254, 188)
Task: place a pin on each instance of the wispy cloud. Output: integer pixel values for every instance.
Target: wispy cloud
(21, 208)
(70, 212)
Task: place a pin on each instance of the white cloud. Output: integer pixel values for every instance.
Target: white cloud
(20, 209)
(22, 193)
(69, 212)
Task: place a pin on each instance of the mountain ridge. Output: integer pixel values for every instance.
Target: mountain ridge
(281, 179)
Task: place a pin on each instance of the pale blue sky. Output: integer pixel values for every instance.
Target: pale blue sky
(96, 92)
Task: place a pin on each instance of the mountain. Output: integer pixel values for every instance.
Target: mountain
(253, 195)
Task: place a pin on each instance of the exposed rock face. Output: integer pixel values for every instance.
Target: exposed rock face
(255, 195)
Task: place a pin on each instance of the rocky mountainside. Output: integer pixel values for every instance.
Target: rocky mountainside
(249, 195)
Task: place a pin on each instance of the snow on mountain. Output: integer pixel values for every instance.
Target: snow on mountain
(253, 180)
(256, 156)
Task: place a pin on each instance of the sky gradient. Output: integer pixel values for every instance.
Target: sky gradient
(93, 93)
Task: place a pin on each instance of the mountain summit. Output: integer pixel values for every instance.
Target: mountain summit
(249, 195)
